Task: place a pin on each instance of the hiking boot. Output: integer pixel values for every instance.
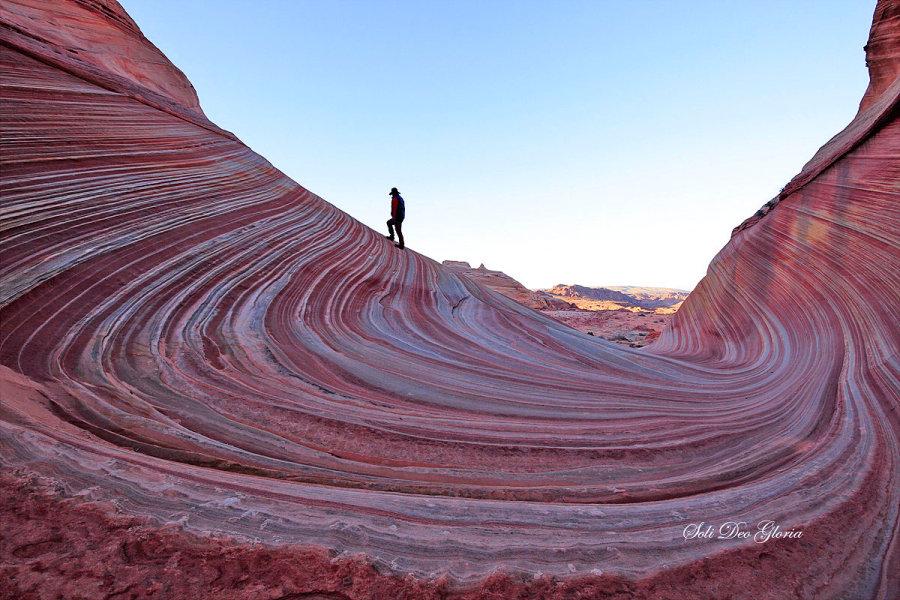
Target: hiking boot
(401, 246)
(390, 237)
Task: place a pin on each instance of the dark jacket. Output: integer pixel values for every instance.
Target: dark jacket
(398, 208)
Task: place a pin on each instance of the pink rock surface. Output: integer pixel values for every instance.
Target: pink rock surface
(215, 384)
(624, 327)
(506, 285)
(617, 314)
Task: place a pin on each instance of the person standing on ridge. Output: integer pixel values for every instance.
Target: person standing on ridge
(398, 213)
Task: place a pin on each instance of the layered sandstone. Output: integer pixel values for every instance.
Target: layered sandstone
(215, 384)
(506, 285)
(628, 315)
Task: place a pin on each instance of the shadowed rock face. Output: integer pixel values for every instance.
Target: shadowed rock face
(193, 344)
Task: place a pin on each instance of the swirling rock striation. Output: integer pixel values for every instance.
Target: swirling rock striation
(193, 345)
(506, 285)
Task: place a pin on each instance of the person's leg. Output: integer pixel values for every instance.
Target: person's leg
(390, 225)
(400, 243)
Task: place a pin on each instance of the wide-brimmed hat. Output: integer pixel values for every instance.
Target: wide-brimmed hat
(393, 191)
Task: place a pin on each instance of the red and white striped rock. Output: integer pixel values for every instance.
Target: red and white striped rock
(190, 335)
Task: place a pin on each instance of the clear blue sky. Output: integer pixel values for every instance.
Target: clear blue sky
(562, 142)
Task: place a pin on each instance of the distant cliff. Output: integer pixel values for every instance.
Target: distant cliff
(627, 296)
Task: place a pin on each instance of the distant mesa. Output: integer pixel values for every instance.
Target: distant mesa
(648, 298)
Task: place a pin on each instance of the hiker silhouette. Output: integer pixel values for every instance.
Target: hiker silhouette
(398, 213)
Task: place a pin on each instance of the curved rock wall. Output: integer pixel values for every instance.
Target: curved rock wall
(192, 339)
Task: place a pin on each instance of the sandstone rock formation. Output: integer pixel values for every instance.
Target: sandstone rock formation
(625, 327)
(506, 285)
(648, 298)
(664, 301)
(617, 314)
(215, 384)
